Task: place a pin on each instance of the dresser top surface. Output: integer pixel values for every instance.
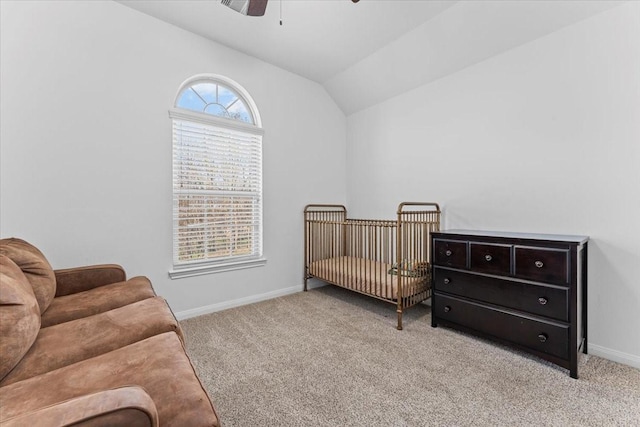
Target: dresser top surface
(514, 235)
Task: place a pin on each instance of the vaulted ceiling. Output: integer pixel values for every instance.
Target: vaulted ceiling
(364, 53)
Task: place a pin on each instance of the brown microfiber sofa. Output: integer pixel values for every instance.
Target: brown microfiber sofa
(87, 347)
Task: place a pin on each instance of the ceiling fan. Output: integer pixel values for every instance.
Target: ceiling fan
(251, 7)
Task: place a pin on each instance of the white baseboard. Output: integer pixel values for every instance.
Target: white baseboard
(614, 355)
(199, 311)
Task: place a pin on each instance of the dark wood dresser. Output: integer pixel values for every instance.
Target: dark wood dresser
(528, 291)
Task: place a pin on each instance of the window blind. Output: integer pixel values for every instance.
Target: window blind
(217, 193)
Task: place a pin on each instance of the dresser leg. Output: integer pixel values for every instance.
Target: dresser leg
(574, 373)
(585, 260)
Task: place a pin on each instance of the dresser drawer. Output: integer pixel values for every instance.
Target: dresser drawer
(547, 301)
(543, 265)
(450, 253)
(535, 334)
(488, 258)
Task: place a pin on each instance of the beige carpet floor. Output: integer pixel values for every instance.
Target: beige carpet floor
(332, 357)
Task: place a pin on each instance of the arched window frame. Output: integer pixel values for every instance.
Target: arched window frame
(177, 114)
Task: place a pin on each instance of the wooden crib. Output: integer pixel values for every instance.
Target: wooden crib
(384, 259)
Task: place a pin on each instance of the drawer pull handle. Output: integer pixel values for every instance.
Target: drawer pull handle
(448, 252)
(446, 280)
(539, 264)
(543, 337)
(488, 257)
(542, 300)
(447, 309)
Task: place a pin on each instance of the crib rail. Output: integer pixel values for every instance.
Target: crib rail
(386, 259)
(323, 233)
(416, 222)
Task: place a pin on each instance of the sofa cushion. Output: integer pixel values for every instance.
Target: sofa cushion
(35, 266)
(158, 364)
(70, 342)
(19, 315)
(97, 300)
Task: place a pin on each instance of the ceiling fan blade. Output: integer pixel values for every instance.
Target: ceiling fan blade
(247, 7)
(257, 7)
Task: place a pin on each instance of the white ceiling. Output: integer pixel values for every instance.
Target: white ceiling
(367, 52)
(317, 39)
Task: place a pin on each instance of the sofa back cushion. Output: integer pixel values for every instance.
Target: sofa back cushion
(35, 266)
(19, 314)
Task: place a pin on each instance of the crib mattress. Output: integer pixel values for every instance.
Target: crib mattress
(365, 275)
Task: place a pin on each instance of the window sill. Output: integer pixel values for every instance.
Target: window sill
(198, 270)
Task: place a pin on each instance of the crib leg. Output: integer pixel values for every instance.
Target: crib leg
(399, 327)
(305, 283)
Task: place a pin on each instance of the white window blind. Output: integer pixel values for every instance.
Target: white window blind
(217, 193)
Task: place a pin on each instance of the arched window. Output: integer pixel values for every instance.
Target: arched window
(210, 97)
(217, 178)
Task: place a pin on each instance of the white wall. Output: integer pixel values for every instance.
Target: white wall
(543, 138)
(86, 145)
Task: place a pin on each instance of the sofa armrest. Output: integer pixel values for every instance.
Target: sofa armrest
(125, 406)
(74, 280)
